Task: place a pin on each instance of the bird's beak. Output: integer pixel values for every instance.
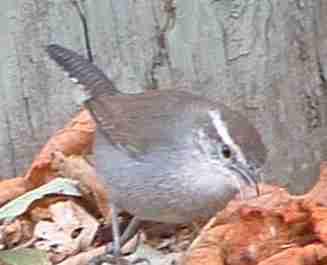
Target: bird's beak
(248, 175)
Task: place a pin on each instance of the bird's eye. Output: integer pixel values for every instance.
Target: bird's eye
(227, 153)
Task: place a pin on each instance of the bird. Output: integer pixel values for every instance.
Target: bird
(167, 155)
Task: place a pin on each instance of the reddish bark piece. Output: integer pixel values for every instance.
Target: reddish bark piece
(275, 228)
(314, 254)
(12, 188)
(319, 222)
(93, 189)
(70, 231)
(76, 138)
(318, 194)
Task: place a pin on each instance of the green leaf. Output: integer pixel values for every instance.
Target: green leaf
(24, 256)
(19, 205)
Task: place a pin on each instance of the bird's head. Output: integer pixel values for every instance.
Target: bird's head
(232, 145)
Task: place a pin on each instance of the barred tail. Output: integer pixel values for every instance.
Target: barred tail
(82, 71)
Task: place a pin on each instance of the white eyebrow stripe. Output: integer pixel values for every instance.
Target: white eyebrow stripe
(222, 131)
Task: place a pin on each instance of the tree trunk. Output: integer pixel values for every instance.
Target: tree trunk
(266, 58)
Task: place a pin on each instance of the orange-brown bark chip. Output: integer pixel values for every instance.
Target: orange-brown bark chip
(275, 228)
(318, 194)
(313, 254)
(63, 156)
(76, 138)
(92, 188)
(251, 235)
(12, 188)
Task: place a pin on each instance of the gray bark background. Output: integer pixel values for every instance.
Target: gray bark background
(266, 58)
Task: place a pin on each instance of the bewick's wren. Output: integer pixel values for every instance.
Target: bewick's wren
(168, 156)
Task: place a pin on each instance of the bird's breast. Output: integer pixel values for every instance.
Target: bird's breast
(159, 187)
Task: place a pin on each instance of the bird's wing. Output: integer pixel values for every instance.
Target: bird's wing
(153, 120)
(141, 123)
(138, 123)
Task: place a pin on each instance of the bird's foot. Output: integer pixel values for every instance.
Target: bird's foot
(108, 259)
(120, 257)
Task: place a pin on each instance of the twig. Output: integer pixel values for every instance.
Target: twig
(85, 29)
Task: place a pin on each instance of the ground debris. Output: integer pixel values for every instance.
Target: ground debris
(275, 228)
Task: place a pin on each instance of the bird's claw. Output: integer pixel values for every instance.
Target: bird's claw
(141, 260)
(108, 259)
(121, 260)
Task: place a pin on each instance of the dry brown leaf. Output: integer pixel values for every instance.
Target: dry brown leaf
(38, 213)
(12, 188)
(271, 198)
(15, 232)
(84, 257)
(75, 139)
(318, 194)
(76, 167)
(268, 229)
(62, 155)
(206, 249)
(314, 254)
(39, 210)
(251, 237)
(71, 231)
(319, 221)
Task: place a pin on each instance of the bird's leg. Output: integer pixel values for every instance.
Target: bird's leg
(130, 231)
(118, 241)
(115, 232)
(113, 248)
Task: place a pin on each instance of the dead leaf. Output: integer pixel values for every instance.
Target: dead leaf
(76, 167)
(37, 213)
(275, 228)
(318, 194)
(314, 254)
(251, 237)
(16, 232)
(12, 188)
(84, 257)
(76, 138)
(19, 205)
(319, 221)
(71, 231)
(63, 153)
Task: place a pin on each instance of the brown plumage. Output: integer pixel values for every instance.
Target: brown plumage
(168, 155)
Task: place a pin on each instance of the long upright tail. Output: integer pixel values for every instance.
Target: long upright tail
(82, 71)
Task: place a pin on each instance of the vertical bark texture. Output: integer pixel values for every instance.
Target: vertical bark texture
(266, 58)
